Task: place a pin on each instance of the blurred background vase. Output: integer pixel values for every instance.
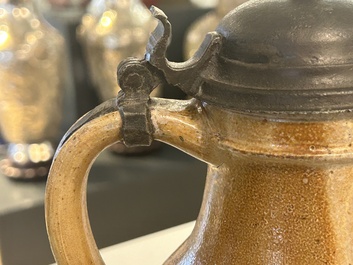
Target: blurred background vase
(207, 23)
(31, 73)
(69, 9)
(111, 31)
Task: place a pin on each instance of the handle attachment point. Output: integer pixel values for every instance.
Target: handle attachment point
(137, 80)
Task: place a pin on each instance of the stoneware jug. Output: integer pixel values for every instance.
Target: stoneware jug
(271, 115)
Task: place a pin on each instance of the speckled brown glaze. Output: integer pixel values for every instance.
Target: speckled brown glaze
(277, 191)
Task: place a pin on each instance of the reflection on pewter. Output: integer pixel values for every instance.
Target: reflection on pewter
(31, 63)
(207, 23)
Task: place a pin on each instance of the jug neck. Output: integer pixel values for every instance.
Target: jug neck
(319, 136)
(231, 134)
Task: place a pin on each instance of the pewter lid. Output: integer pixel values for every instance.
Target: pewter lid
(286, 55)
(268, 56)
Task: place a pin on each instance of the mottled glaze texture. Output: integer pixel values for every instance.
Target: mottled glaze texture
(277, 191)
(69, 231)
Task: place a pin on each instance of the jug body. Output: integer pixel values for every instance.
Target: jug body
(280, 192)
(284, 197)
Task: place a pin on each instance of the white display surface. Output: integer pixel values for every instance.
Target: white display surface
(152, 249)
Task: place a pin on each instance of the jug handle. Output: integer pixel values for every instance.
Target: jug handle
(176, 122)
(66, 215)
(134, 119)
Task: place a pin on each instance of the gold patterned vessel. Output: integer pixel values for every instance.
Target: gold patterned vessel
(271, 114)
(31, 63)
(70, 10)
(111, 31)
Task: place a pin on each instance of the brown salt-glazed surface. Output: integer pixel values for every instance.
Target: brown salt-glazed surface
(277, 192)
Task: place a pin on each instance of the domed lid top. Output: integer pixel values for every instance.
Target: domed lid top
(290, 33)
